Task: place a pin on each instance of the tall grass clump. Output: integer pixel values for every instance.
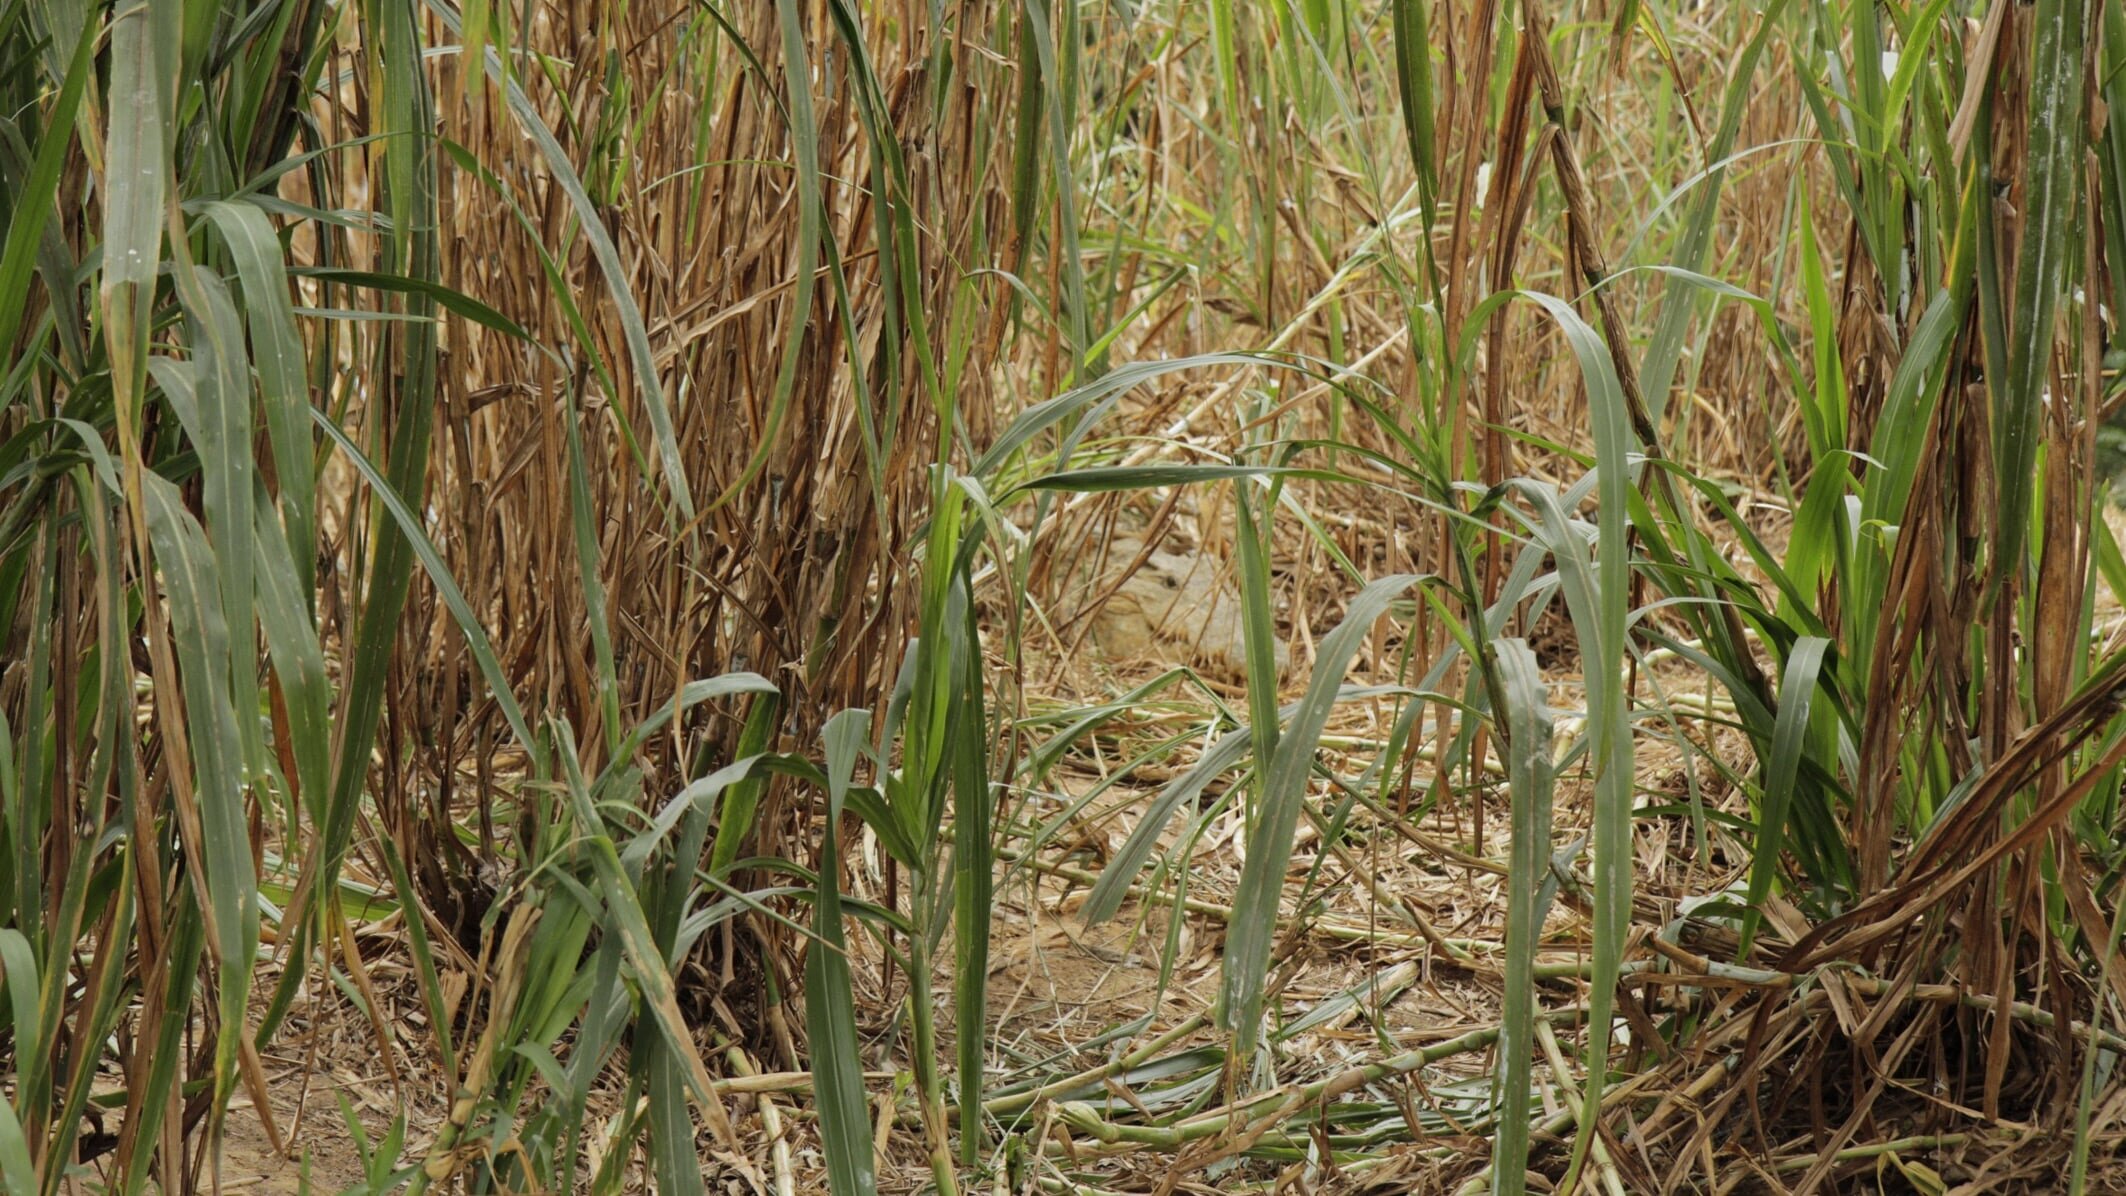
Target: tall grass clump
(369, 512)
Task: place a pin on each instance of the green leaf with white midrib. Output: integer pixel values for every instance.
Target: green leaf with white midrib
(201, 634)
(299, 662)
(1526, 710)
(671, 1134)
(1258, 626)
(1782, 769)
(1898, 450)
(584, 534)
(1413, 79)
(973, 873)
(1599, 601)
(15, 1165)
(1253, 923)
(830, 1003)
(624, 918)
(136, 171)
(221, 433)
(736, 819)
(26, 1008)
(277, 355)
(900, 264)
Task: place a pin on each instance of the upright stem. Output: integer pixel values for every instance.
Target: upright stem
(922, 1011)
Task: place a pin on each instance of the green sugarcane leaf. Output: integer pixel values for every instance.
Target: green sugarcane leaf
(1526, 709)
(1782, 770)
(33, 203)
(201, 632)
(1253, 925)
(2047, 245)
(277, 355)
(1599, 600)
(973, 873)
(830, 1002)
(624, 917)
(298, 660)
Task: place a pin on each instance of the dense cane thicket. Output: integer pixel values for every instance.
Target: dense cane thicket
(569, 553)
